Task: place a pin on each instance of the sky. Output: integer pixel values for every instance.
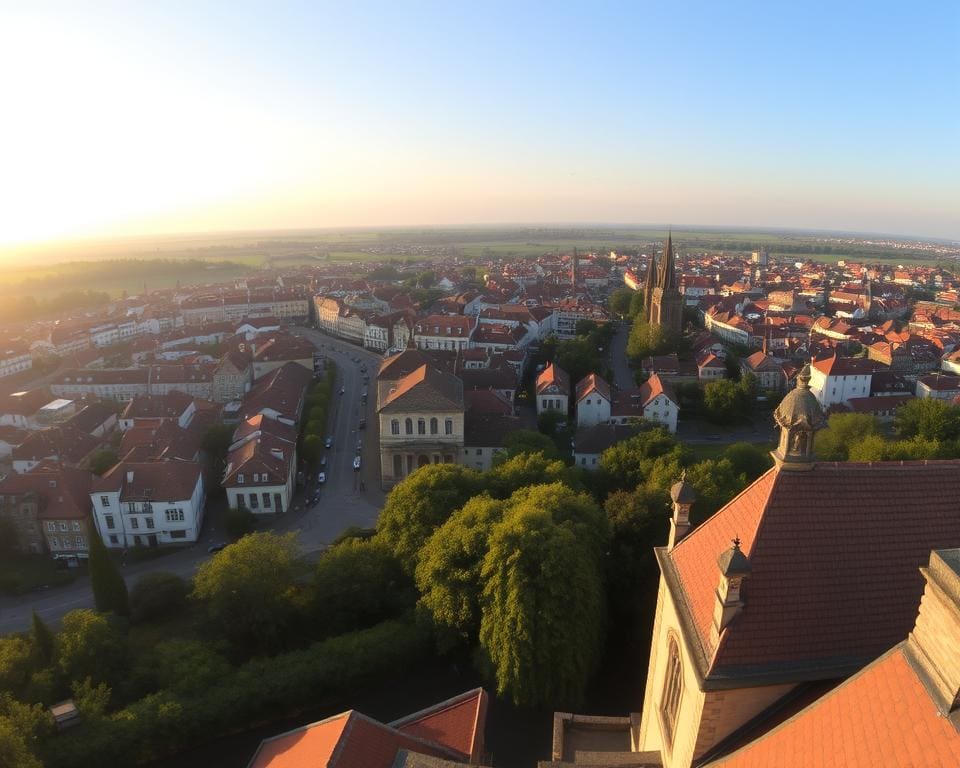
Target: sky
(135, 118)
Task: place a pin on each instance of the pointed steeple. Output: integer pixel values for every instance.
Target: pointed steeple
(668, 278)
(651, 281)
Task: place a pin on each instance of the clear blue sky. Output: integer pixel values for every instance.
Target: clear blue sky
(187, 116)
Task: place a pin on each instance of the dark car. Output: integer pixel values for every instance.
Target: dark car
(216, 547)
(362, 424)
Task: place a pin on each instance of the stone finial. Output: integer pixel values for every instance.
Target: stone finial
(683, 495)
(734, 568)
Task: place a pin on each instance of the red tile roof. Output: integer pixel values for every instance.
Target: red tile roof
(553, 375)
(452, 730)
(881, 716)
(592, 383)
(834, 554)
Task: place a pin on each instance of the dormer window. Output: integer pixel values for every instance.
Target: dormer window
(256, 477)
(240, 478)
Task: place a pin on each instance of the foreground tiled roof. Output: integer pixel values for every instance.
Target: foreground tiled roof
(452, 730)
(834, 554)
(882, 716)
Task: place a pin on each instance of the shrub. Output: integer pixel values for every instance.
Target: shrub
(156, 595)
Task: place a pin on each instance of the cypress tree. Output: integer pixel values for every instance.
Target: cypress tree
(109, 588)
(42, 639)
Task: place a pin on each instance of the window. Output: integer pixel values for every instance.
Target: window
(76, 525)
(254, 501)
(479, 451)
(149, 522)
(395, 427)
(256, 477)
(81, 544)
(408, 425)
(176, 515)
(51, 526)
(134, 523)
(421, 426)
(131, 507)
(240, 502)
(64, 526)
(448, 426)
(240, 478)
(114, 540)
(544, 403)
(54, 542)
(434, 426)
(266, 501)
(105, 501)
(108, 519)
(672, 690)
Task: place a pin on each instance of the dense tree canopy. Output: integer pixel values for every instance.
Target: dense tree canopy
(523, 441)
(448, 574)
(358, 583)
(109, 588)
(420, 504)
(542, 606)
(928, 418)
(526, 469)
(90, 645)
(629, 462)
(250, 589)
(843, 430)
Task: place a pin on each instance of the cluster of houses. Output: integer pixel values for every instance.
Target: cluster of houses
(152, 420)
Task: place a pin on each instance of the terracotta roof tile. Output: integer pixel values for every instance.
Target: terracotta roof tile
(882, 716)
(834, 553)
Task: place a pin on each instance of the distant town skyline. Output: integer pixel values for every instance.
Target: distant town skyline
(138, 120)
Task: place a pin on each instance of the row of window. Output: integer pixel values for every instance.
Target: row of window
(258, 477)
(421, 426)
(253, 500)
(170, 515)
(66, 542)
(52, 526)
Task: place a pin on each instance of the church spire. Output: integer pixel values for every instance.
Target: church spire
(668, 278)
(651, 281)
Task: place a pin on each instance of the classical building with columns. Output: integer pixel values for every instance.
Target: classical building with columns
(421, 415)
(776, 618)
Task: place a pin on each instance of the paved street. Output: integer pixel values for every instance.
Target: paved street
(623, 376)
(341, 505)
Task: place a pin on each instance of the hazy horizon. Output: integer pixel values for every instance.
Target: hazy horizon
(141, 121)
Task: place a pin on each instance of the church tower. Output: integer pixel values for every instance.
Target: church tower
(573, 271)
(650, 283)
(666, 304)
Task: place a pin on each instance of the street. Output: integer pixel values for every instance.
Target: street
(341, 504)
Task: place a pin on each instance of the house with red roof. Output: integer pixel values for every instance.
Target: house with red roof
(653, 401)
(451, 733)
(553, 390)
(593, 401)
(837, 379)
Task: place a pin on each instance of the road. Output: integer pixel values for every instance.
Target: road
(341, 504)
(623, 376)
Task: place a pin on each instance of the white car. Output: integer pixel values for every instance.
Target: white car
(322, 478)
(356, 463)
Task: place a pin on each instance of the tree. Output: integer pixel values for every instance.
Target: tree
(929, 418)
(188, 667)
(157, 594)
(843, 431)
(543, 608)
(716, 483)
(215, 444)
(9, 537)
(16, 661)
(646, 339)
(639, 521)
(875, 448)
(249, 590)
(109, 588)
(91, 645)
(311, 449)
(619, 301)
(628, 462)
(103, 460)
(358, 584)
(525, 469)
(522, 441)
(14, 751)
(448, 572)
(636, 304)
(420, 504)
(722, 401)
(579, 357)
(748, 460)
(43, 642)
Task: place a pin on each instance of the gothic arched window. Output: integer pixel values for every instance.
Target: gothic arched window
(672, 690)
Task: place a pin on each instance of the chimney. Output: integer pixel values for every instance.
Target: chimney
(934, 643)
(683, 496)
(734, 568)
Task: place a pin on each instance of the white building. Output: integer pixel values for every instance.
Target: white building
(553, 390)
(653, 401)
(835, 380)
(149, 503)
(593, 401)
(261, 466)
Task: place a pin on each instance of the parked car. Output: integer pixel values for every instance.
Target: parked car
(328, 442)
(356, 463)
(322, 478)
(342, 390)
(323, 461)
(216, 547)
(362, 424)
